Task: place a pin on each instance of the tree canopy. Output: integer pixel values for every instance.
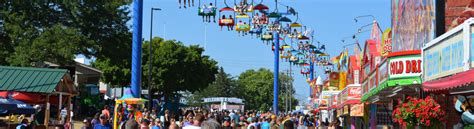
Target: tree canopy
(224, 86)
(257, 89)
(57, 31)
(177, 67)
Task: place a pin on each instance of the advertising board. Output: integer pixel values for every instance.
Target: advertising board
(413, 24)
(445, 57)
(405, 66)
(357, 110)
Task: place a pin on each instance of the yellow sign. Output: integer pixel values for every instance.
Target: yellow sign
(342, 80)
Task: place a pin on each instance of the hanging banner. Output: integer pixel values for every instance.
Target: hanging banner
(357, 110)
(405, 66)
(413, 24)
(334, 81)
(386, 46)
(342, 80)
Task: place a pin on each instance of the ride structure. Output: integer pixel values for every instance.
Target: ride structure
(274, 27)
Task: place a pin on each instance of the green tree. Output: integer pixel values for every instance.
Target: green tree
(56, 31)
(177, 67)
(223, 86)
(257, 89)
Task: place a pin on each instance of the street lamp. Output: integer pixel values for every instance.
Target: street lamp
(374, 22)
(150, 100)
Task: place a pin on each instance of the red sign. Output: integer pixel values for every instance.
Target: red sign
(354, 93)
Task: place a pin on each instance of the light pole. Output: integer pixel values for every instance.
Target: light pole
(150, 100)
(374, 21)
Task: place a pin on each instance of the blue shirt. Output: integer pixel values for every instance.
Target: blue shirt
(265, 125)
(155, 127)
(100, 126)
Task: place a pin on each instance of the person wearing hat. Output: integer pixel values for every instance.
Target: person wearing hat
(103, 123)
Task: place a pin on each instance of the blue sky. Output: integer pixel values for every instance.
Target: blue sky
(332, 20)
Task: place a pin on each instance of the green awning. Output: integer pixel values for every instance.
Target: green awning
(28, 79)
(390, 83)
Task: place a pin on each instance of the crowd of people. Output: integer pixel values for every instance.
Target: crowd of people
(205, 119)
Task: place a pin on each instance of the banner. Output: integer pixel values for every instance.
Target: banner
(357, 110)
(386, 46)
(413, 24)
(334, 81)
(342, 80)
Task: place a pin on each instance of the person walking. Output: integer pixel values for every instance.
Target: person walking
(198, 119)
(106, 112)
(266, 124)
(104, 124)
(157, 124)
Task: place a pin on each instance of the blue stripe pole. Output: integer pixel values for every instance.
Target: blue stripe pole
(276, 37)
(311, 76)
(137, 48)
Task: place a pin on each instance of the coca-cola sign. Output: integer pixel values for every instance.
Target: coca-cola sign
(351, 93)
(354, 93)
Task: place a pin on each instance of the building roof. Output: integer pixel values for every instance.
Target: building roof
(35, 80)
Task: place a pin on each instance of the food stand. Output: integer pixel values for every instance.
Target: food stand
(43, 86)
(449, 72)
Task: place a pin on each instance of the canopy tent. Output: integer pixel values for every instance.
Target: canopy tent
(11, 106)
(38, 86)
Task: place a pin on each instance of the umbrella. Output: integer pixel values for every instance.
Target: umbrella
(11, 106)
(129, 99)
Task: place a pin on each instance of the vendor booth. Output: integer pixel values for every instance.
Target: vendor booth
(50, 89)
(449, 72)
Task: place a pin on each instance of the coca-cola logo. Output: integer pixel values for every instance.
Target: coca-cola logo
(355, 91)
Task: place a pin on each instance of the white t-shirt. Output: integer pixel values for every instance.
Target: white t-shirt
(191, 127)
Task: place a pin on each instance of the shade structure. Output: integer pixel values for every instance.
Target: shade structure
(242, 16)
(463, 79)
(132, 101)
(274, 15)
(285, 19)
(129, 99)
(11, 106)
(295, 24)
(226, 9)
(260, 7)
